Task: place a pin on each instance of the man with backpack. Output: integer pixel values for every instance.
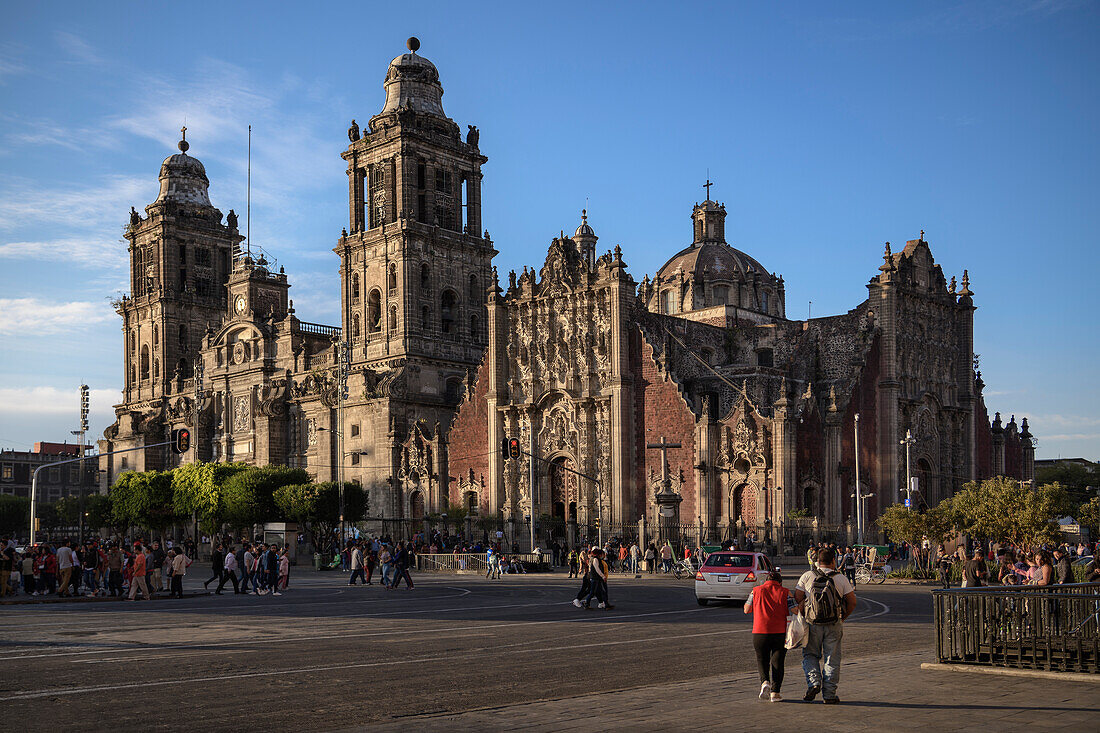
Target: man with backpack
(825, 597)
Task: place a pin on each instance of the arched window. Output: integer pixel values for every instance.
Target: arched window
(393, 317)
(183, 336)
(374, 311)
(473, 288)
(425, 318)
(391, 280)
(474, 331)
(144, 363)
(764, 302)
(453, 392)
(355, 327)
(668, 302)
(156, 335)
(721, 294)
(471, 503)
(183, 368)
(425, 278)
(133, 374)
(355, 286)
(133, 343)
(447, 311)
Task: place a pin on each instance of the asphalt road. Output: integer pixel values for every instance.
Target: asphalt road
(326, 656)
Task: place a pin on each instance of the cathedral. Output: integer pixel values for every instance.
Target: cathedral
(687, 400)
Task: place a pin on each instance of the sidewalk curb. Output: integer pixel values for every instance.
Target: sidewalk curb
(95, 599)
(1006, 672)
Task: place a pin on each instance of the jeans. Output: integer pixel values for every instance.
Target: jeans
(114, 581)
(177, 586)
(89, 580)
(387, 573)
(357, 573)
(597, 591)
(822, 653)
(770, 653)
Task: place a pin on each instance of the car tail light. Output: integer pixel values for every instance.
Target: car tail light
(750, 576)
(699, 575)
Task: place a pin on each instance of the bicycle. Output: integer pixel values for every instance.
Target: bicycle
(684, 568)
(868, 573)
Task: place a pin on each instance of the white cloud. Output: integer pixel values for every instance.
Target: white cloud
(89, 207)
(51, 400)
(78, 48)
(21, 316)
(91, 251)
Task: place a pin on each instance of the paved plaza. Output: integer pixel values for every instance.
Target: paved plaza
(464, 653)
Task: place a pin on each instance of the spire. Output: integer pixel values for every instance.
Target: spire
(887, 260)
(965, 284)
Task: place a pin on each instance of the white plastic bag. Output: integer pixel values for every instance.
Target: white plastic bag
(797, 632)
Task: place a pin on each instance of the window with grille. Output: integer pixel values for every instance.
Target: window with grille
(377, 196)
(444, 199)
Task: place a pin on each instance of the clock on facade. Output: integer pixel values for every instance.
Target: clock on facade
(238, 305)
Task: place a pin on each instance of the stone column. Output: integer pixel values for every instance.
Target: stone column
(705, 474)
(965, 378)
(831, 504)
(497, 392)
(622, 296)
(885, 303)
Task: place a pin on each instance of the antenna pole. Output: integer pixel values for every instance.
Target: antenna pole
(248, 200)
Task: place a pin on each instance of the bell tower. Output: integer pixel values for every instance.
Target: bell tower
(414, 263)
(180, 256)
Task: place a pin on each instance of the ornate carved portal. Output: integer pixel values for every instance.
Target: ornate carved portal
(564, 492)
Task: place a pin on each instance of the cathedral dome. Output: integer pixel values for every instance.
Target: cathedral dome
(713, 260)
(412, 82)
(183, 179)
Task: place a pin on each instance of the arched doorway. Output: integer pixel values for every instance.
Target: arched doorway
(742, 505)
(416, 505)
(563, 488)
(926, 482)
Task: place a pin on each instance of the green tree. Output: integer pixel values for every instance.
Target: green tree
(937, 525)
(15, 515)
(316, 507)
(144, 500)
(1000, 509)
(1075, 477)
(249, 496)
(98, 509)
(1088, 515)
(198, 490)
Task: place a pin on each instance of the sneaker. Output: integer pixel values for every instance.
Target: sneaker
(765, 690)
(276, 593)
(601, 605)
(776, 697)
(811, 693)
(831, 700)
(576, 602)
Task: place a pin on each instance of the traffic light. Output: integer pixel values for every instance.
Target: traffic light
(513, 448)
(597, 522)
(504, 448)
(181, 440)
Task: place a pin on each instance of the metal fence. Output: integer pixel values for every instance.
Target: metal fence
(1031, 627)
(472, 562)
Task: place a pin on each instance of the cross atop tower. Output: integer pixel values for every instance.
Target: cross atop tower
(707, 186)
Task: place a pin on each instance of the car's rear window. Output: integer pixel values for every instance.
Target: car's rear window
(728, 561)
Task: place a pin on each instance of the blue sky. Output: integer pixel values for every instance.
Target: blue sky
(828, 128)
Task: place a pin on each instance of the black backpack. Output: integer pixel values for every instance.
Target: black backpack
(823, 602)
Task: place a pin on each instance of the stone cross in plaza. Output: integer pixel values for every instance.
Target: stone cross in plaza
(664, 447)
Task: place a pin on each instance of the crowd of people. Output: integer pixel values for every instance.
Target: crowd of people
(1008, 564)
(136, 569)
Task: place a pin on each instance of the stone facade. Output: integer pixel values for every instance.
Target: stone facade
(414, 267)
(583, 365)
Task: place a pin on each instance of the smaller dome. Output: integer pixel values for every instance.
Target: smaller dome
(412, 82)
(183, 180)
(584, 230)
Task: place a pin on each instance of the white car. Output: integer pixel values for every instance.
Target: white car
(730, 575)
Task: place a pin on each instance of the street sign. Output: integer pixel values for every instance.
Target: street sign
(908, 502)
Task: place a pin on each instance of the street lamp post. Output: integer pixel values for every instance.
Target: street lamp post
(859, 491)
(908, 441)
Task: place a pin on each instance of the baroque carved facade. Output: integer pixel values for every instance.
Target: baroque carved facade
(582, 364)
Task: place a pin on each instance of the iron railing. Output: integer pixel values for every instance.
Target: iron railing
(1029, 627)
(473, 562)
